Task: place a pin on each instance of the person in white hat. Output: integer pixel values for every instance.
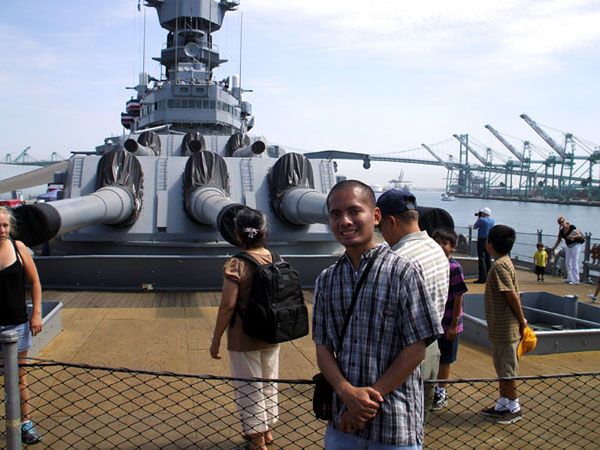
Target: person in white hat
(483, 225)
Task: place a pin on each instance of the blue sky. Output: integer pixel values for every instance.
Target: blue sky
(375, 77)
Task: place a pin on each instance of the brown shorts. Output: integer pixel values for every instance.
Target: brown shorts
(504, 355)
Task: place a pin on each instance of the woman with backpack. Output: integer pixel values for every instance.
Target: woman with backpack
(249, 357)
(16, 265)
(573, 238)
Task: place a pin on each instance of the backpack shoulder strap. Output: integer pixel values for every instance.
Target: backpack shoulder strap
(247, 257)
(275, 257)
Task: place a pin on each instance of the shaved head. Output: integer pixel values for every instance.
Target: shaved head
(368, 193)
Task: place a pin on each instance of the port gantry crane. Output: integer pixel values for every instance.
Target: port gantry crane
(537, 178)
(524, 161)
(572, 177)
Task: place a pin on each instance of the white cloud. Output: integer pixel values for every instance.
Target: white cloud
(396, 28)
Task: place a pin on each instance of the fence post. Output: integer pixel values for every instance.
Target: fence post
(12, 399)
(540, 236)
(587, 250)
(472, 248)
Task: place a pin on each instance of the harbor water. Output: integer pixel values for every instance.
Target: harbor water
(525, 217)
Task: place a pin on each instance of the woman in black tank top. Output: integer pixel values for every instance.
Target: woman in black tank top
(574, 239)
(16, 264)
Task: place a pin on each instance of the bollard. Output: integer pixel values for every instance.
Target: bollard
(12, 399)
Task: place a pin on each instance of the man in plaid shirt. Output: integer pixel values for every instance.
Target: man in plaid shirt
(378, 401)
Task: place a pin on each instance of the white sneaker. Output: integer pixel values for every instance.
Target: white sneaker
(592, 297)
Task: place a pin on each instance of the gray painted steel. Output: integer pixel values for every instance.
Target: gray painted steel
(305, 206)
(168, 273)
(51, 326)
(561, 324)
(108, 205)
(12, 399)
(168, 247)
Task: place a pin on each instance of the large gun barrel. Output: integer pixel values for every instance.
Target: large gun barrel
(304, 206)
(132, 146)
(41, 222)
(293, 196)
(116, 201)
(147, 144)
(109, 205)
(254, 149)
(206, 194)
(193, 142)
(210, 205)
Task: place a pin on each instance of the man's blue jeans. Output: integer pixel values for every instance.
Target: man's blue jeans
(336, 440)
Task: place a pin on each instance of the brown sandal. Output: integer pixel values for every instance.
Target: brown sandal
(256, 442)
(268, 438)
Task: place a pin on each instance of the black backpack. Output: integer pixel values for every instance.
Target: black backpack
(275, 311)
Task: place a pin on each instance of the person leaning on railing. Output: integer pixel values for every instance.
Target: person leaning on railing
(573, 239)
(16, 264)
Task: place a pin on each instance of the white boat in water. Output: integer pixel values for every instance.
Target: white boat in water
(448, 197)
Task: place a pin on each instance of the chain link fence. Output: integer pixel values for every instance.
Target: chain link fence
(80, 407)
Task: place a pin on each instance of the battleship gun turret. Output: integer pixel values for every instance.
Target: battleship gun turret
(206, 194)
(187, 139)
(147, 144)
(293, 196)
(193, 142)
(116, 201)
(251, 150)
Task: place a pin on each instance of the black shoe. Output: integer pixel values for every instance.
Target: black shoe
(479, 282)
(507, 417)
(492, 412)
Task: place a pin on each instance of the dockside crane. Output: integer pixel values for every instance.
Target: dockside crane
(566, 157)
(449, 167)
(525, 162)
(435, 155)
(23, 155)
(545, 136)
(520, 156)
(464, 142)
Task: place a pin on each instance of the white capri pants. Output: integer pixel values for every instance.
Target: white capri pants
(256, 401)
(572, 263)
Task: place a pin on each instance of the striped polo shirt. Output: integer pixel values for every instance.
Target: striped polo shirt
(429, 257)
(456, 288)
(393, 310)
(503, 323)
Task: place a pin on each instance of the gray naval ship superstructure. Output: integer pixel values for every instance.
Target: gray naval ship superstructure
(154, 207)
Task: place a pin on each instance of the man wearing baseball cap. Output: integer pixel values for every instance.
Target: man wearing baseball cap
(483, 225)
(399, 226)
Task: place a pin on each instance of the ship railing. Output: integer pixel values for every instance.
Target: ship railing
(82, 406)
(525, 247)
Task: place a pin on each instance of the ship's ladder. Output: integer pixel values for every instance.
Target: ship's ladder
(327, 175)
(77, 171)
(247, 172)
(170, 145)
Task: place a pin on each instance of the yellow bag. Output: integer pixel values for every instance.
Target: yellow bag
(527, 343)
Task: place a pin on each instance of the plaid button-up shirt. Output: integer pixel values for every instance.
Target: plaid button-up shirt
(393, 310)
